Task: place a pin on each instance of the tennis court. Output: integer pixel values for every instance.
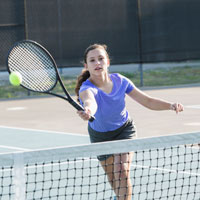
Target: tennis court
(57, 172)
(54, 114)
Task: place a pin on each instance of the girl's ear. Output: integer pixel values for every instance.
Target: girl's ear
(108, 62)
(85, 65)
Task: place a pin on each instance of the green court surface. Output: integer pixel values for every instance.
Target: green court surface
(19, 139)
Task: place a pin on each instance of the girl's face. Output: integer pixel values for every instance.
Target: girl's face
(97, 61)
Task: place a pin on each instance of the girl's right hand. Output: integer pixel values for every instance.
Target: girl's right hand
(85, 115)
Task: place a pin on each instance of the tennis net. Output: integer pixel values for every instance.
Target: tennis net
(164, 168)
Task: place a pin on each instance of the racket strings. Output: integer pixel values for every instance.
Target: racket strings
(35, 65)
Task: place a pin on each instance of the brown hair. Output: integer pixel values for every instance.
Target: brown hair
(85, 74)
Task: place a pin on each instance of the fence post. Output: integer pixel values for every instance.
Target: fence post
(139, 14)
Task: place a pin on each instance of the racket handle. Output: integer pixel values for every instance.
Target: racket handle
(79, 107)
(92, 118)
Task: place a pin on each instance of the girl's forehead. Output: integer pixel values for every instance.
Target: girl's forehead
(96, 52)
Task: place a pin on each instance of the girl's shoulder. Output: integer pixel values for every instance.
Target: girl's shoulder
(87, 85)
(118, 76)
(122, 81)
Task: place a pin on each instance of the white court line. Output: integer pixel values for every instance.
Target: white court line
(192, 124)
(165, 170)
(16, 108)
(45, 131)
(193, 106)
(14, 148)
(135, 166)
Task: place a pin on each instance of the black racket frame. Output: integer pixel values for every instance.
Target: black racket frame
(58, 77)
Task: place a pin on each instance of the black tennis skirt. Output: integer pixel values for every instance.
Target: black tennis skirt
(127, 131)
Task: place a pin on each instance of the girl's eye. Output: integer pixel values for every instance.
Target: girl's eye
(92, 60)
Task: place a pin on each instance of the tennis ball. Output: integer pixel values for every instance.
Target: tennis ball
(15, 78)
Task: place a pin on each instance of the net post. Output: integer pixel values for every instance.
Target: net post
(19, 176)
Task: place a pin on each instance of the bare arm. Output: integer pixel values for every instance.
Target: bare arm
(89, 104)
(154, 103)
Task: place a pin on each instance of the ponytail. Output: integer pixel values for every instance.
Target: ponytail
(81, 78)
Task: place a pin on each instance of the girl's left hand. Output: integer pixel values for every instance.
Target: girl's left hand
(177, 107)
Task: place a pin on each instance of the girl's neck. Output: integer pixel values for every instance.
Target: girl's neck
(100, 81)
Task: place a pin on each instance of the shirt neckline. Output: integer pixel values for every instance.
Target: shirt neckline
(101, 89)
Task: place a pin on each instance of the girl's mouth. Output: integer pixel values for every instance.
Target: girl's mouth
(98, 68)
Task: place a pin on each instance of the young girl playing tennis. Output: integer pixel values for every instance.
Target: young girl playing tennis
(103, 95)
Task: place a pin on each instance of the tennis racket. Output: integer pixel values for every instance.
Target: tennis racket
(38, 69)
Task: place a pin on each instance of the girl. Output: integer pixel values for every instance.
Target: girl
(103, 95)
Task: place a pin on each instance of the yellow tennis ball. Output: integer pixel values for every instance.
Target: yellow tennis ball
(15, 78)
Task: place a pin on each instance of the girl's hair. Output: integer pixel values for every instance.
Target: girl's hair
(85, 73)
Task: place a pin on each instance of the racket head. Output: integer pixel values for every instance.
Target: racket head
(35, 64)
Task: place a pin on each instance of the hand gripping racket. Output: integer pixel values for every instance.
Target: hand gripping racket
(38, 69)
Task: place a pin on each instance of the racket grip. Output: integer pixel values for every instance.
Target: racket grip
(92, 118)
(79, 107)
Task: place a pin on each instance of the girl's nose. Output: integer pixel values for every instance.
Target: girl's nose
(97, 62)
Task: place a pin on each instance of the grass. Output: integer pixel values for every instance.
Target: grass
(157, 77)
(167, 77)
(8, 91)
